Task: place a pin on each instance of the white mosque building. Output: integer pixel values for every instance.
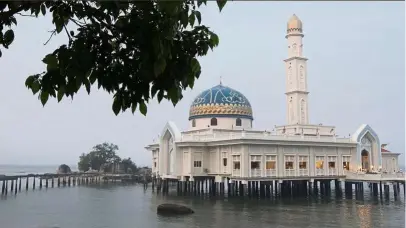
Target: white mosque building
(220, 140)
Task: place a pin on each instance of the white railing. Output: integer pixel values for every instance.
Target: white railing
(255, 172)
(375, 177)
(332, 172)
(236, 172)
(216, 135)
(303, 172)
(270, 173)
(319, 172)
(290, 172)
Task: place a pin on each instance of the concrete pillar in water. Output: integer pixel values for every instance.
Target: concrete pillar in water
(375, 189)
(229, 190)
(395, 190)
(3, 187)
(27, 179)
(12, 185)
(310, 189)
(19, 186)
(191, 184)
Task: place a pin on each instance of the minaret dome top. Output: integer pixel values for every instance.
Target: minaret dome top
(294, 24)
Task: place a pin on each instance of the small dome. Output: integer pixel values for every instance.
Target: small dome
(220, 101)
(294, 23)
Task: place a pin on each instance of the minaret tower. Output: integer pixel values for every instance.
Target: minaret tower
(296, 75)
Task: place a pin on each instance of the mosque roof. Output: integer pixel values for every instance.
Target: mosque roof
(220, 101)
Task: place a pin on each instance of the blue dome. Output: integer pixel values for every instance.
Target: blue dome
(220, 101)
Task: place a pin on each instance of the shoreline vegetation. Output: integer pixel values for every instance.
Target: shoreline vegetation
(103, 158)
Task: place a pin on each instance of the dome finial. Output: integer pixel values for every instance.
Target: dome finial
(221, 82)
(294, 23)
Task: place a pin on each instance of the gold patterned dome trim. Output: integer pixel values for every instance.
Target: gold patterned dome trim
(220, 110)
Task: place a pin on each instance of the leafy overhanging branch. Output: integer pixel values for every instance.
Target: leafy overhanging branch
(134, 50)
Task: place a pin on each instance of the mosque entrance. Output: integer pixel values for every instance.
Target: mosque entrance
(365, 160)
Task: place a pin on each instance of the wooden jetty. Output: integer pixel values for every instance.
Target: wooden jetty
(292, 187)
(12, 184)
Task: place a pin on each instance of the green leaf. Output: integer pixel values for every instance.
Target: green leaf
(133, 107)
(29, 81)
(154, 90)
(13, 20)
(184, 18)
(221, 4)
(58, 24)
(87, 85)
(43, 9)
(61, 92)
(117, 104)
(92, 77)
(160, 96)
(51, 61)
(192, 19)
(143, 108)
(195, 65)
(199, 2)
(44, 97)
(35, 87)
(159, 66)
(199, 17)
(214, 40)
(8, 37)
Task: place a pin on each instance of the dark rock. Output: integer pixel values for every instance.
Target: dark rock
(173, 209)
(64, 169)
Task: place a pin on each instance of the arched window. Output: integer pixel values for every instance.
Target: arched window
(193, 123)
(213, 122)
(238, 122)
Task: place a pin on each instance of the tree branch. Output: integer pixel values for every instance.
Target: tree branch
(66, 30)
(78, 23)
(52, 34)
(25, 15)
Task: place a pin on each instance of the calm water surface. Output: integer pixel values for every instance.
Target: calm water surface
(131, 206)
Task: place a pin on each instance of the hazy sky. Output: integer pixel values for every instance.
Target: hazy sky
(356, 72)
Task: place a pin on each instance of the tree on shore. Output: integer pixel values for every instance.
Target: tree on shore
(135, 50)
(103, 157)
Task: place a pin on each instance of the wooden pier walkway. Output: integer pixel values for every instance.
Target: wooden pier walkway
(13, 184)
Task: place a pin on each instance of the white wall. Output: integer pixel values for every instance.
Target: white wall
(222, 123)
(390, 162)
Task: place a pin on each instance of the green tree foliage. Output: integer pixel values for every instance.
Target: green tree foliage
(129, 166)
(101, 155)
(135, 50)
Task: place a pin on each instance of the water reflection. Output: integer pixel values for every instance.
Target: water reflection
(112, 206)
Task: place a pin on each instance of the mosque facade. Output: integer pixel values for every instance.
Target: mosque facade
(220, 140)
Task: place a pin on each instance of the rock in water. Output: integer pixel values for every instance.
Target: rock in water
(63, 169)
(173, 209)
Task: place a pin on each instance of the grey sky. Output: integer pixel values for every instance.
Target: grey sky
(356, 74)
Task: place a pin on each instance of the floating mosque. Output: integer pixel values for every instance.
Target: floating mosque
(220, 141)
